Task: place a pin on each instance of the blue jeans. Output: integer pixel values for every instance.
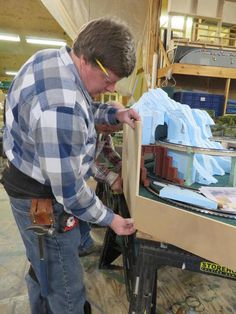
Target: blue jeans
(86, 239)
(65, 278)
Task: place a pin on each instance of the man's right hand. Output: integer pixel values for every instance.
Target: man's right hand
(128, 116)
(122, 226)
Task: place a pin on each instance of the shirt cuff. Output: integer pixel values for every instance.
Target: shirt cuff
(107, 220)
(112, 116)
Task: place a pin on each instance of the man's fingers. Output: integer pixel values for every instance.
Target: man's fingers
(128, 116)
(129, 226)
(131, 123)
(128, 231)
(129, 221)
(133, 114)
(123, 226)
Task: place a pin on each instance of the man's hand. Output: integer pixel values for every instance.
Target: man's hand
(117, 185)
(128, 116)
(122, 226)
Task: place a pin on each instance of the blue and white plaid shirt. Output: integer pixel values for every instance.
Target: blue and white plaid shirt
(50, 134)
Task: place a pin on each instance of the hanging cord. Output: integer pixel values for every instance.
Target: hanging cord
(169, 75)
(167, 80)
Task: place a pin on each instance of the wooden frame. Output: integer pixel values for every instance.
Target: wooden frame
(198, 234)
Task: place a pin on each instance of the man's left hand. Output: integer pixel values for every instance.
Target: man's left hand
(128, 116)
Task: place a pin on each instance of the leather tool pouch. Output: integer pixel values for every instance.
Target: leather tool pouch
(41, 212)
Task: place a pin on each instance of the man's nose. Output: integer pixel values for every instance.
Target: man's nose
(111, 88)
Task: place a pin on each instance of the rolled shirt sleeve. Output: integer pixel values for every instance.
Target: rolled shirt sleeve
(104, 113)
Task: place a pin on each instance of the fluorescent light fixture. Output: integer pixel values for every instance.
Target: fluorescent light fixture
(13, 73)
(177, 22)
(9, 37)
(45, 41)
(164, 21)
(189, 22)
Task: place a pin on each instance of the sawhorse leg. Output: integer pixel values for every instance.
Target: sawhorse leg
(143, 299)
(110, 251)
(114, 246)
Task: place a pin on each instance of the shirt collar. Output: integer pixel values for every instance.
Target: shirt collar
(64, 53)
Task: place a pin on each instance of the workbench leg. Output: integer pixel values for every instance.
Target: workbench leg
(110, 251)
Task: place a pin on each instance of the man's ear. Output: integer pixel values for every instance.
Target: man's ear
(83, 60)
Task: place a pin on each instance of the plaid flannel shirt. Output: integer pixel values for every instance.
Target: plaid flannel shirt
(105, 149)
(50, 135)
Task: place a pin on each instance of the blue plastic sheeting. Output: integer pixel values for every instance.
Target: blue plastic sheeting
(186, 126)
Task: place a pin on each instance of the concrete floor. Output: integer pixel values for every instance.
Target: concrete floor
(13, 263)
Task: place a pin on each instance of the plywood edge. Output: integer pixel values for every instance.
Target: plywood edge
(203, 236)
(131, 155)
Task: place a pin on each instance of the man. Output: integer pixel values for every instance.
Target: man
(49, 140)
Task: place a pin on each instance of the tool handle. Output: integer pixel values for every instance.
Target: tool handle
(43, 278)
(43, 268)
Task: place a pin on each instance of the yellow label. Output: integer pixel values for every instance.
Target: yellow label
(209, 267)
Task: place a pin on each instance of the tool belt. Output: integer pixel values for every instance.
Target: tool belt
(19, 185)
(41, 212)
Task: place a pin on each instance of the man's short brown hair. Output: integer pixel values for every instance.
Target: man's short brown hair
(108, 41)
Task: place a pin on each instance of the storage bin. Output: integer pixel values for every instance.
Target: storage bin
(202, 101)
(231, 106)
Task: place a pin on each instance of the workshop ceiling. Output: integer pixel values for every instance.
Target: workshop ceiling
(25, 18)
